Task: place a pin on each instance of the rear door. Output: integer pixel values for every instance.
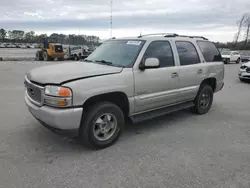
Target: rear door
(191, 70)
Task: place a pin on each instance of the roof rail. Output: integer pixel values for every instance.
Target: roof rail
(163, 34)
(172, 35)
(194, 37)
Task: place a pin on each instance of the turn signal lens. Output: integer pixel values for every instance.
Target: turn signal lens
(64, 92)
(62, 103)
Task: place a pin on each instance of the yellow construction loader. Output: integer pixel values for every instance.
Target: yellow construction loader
(50, 50)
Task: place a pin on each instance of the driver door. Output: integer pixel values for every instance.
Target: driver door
(157, 87)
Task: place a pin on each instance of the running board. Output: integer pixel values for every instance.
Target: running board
(162, 111)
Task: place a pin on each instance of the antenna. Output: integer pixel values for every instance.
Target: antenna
(111, 18)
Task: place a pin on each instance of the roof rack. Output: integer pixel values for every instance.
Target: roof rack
(204, 38)
(172, 35)
(162, 34)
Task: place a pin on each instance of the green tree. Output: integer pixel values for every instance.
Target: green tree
(17, 34)
(29, 36)
(2, 34)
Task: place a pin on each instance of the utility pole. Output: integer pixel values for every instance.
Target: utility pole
(111, 18)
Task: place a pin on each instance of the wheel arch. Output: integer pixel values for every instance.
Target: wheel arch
(118, 98)
(211, 82)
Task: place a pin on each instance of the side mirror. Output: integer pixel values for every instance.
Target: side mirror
(150, 63)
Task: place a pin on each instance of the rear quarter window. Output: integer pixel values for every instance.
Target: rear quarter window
(209, 51)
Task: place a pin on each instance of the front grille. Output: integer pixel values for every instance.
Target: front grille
(248, 70)
(34, 91)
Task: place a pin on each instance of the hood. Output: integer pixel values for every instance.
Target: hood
(225, 56)
(66, 72)
(246, 64)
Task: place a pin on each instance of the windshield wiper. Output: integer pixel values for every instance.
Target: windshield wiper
(104, 62)
(87, 60)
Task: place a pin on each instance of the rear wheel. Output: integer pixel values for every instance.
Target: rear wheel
(101, 125)
(203, 100)
(39, 56)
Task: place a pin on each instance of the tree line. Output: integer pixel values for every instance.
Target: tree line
(243, 30)
(20, 36)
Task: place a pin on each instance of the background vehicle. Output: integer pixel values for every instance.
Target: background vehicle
(245, 55)
(77, 52)
(2, 46)
(138, 79)
(244, 72)
(50, 50)
(231, 56)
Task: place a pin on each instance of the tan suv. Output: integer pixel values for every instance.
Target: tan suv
(137, 78)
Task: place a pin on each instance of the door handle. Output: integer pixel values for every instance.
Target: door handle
(174, 74)
(200, 71)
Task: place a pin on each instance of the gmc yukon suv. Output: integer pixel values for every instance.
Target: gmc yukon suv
(131, 78)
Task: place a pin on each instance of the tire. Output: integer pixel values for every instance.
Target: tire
(88, 132)
(201, 105)
(76, 58)
(238, 61)
(46, 57)
(242, 80)
(39, 56)
(227, 61)
(60, 58)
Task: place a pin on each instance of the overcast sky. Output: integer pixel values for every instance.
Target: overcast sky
(215, 19)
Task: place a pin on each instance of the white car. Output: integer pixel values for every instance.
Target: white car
(2, 46)
(231, 56)
(244, 73)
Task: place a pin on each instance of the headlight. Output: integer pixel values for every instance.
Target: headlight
(58, 96)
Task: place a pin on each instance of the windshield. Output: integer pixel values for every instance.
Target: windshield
(225, 53)
(122, 53)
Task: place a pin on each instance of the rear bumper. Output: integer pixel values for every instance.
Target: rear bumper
(57, 119)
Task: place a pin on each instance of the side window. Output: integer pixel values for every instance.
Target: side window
(187, 53)
(209, 51)
(161, 50)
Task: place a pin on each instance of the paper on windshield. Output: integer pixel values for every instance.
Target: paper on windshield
(134, 42)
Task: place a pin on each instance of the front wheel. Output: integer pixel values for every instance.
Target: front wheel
(203, 100)
(61, 59)
(101, 125)
(238, 61)
(46, 56)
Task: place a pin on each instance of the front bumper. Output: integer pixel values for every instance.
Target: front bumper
(225, 59)
(62, 119)
(243, 74)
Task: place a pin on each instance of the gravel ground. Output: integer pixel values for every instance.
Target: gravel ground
(174, 151)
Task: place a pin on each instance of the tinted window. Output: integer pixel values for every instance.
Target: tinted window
(161, 50)
(209, 51)
(187, 53)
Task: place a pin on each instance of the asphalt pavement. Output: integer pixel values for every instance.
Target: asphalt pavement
(174, 151)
